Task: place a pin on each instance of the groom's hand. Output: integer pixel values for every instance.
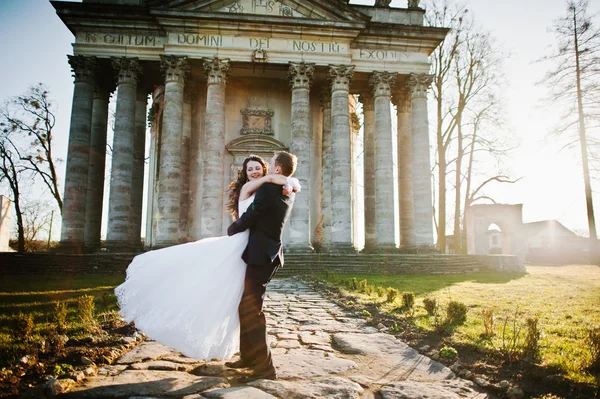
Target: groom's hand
(232, 229)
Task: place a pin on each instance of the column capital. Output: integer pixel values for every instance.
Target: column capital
(101, 92)
(418, 84)
(325, 98)
(217, 70)
(366, 99)
(301, 75)
(382, 83)
(340, 76)
(401, 99)
(84, 68)
(128, 70)
(174, 68)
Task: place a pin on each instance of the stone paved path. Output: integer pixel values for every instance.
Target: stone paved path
(319, 350)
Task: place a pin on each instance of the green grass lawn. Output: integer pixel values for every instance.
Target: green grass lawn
(565, 299)
(38, 296)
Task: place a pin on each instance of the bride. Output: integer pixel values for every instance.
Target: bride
(187, 296)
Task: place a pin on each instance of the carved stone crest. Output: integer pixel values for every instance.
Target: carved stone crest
(413, 3)
(257, 121)
(382, 3)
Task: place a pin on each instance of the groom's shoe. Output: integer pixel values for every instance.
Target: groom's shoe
(264, 375)
(239, 364)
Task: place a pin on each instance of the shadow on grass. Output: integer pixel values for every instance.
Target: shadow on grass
(422, 284)
(49, 283)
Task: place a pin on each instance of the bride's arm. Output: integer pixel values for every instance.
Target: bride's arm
(251, 186)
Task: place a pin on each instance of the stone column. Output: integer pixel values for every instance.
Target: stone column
(405, 183)
(78, 154)
(184, 214)
(300, 75)
(155, 118)
(326, 170)
(421, 173)
(95, 192)
(217, 71)
(340, 77)
(175, 70)
(369, 170)
(121, 175)
(137, 176)
(381, 84)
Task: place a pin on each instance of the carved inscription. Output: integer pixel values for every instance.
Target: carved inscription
(201, 40)
(122, 39)
(262, 7)
(315, 47)
(262, 42)
(378, 55)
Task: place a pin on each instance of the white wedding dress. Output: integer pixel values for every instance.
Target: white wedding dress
(187, 296)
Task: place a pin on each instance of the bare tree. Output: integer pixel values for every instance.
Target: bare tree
(11, 172)
(31, 115)
(467, 70)
(574, 81)
(444, 13)
(477, 74)
(36, 220)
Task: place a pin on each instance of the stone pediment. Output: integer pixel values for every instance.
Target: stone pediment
(255, 144)
(337, 10)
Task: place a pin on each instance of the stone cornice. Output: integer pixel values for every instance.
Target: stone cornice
(180, 21)
(326, 10)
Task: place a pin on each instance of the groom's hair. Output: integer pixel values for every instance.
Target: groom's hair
(287, 162)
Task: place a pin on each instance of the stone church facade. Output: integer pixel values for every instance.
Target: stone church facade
(228, 78)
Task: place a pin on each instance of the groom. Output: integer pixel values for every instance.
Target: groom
(265, 218)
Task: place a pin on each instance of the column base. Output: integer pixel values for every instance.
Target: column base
(70, 246)
(418, 249)
(122, 246)
(340, 249)
(384, 249)
(92, 247)
(299, 249)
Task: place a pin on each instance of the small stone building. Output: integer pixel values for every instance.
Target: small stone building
(227, 78)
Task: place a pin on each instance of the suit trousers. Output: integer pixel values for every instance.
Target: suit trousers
(254, 349)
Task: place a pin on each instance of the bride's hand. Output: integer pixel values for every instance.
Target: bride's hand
(287, 189)
(278, 179)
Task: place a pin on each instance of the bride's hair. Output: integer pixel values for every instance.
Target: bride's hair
(236, 186)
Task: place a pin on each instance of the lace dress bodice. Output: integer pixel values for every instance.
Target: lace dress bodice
(244, 204)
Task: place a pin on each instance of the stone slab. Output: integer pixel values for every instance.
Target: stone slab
(161, 365)
(330, 388)
(307, 363)
(238, 393)
(148, 350)
(395, 359)
(447, 389)
(145, 383)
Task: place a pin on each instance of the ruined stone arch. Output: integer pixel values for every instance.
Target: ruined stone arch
(509, 219)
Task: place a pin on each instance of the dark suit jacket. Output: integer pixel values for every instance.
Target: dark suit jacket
(265, 218)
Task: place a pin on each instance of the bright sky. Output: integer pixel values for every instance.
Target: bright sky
(36, 43)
